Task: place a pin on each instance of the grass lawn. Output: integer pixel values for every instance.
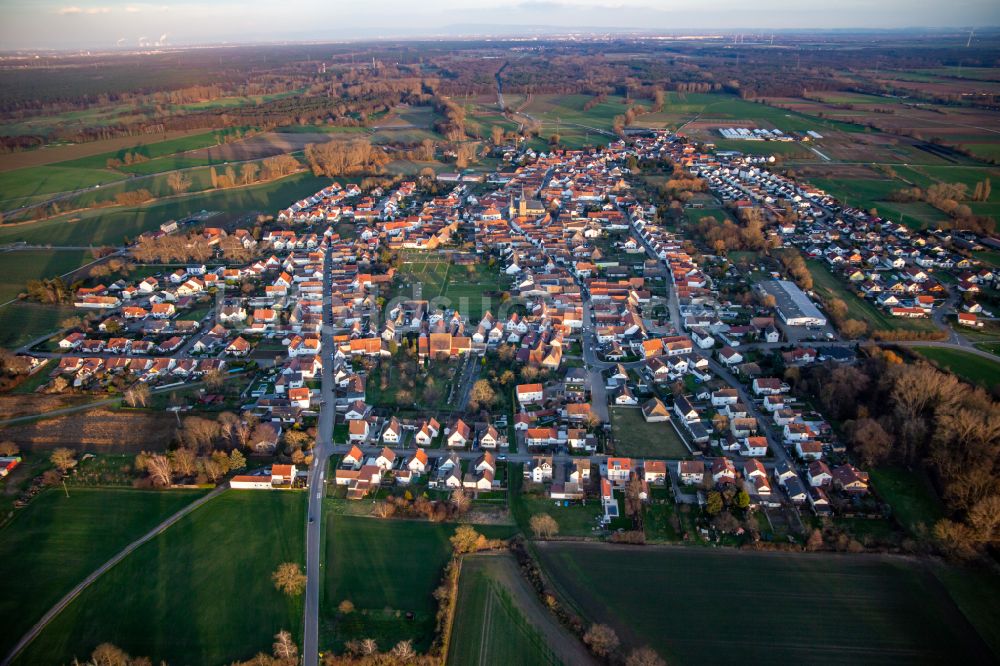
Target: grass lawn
(21, 322)
(21, 266)
(911, 496)
(969, 367)
(574, 520)
(386, 569)
(200, 593)
(109, 227)
(56, 541)
(491, 626)
(688, 604)
(635, 437)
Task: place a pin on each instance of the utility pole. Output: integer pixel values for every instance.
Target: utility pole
(65, 489)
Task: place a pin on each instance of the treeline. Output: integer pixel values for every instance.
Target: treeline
(948, 198)
(920, 417)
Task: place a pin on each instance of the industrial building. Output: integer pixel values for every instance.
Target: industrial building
(794, 307)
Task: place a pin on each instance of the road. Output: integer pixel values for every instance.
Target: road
(101, 570)
(317, 474)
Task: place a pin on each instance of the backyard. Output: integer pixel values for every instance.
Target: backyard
(635, 437)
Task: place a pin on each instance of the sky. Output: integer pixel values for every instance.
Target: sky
(73, 24)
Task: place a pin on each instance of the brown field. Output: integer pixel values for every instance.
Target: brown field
(265, 145)
(53, 154)
(97, 430)
(13, 406)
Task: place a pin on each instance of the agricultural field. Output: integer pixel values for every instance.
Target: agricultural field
(389, 570)
(33, 184)
(185, 597)
(112, 226)
(969, 367)
(56, 541)
(635, 437)
(23, 322)
(500, 620)
(827, 285)
(97, 430)
(691, 605)
(78, 151)
(19, 266)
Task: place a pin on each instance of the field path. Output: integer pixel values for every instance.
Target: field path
(565, 645)
(86, 582)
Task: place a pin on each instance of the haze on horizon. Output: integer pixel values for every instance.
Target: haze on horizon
(71, 24)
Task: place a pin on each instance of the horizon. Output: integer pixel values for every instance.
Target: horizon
(55, 25)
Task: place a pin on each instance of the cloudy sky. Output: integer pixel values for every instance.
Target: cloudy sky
(102, 23)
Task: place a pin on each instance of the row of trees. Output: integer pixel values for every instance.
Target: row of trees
(185, 464)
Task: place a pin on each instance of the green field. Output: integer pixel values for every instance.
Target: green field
(23, 265)
(574, 520)
(21, 322)
(55, 542)
(461, 287)
(829, 286)
(635, 437)
(969, 367)
(386, 569)
(151, 151)
(914, 502)
(110, 227)
(692, 605)
(199, 593)
(24, 186)
(491, 626)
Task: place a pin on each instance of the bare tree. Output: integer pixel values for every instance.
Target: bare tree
(159, 469)
(544, 526)
(644, 656)
(601, 639)
(288, 578)
(284, 647)
(63, 458)
(138, 394)
(403, 651)
(461, 500)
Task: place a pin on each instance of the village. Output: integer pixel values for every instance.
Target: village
(611, 364)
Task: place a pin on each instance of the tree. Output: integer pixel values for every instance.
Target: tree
(288, 578)
(237, 460)
(214, 176)
(601, 639)
(64, 459)
(159, 469)
(742, 499)
(9, 448)
(644, 656)
(466, 539)
(815, 541)
(482, 394)
(214, 379)
(496, 134)
(345, 607)
(461, 500)
(544, 526)
(870, 441)
(183, 461)
(284, 647)
(178, 182)
(403, 651)
(713, 504)
(107, 654)
(138, 394)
